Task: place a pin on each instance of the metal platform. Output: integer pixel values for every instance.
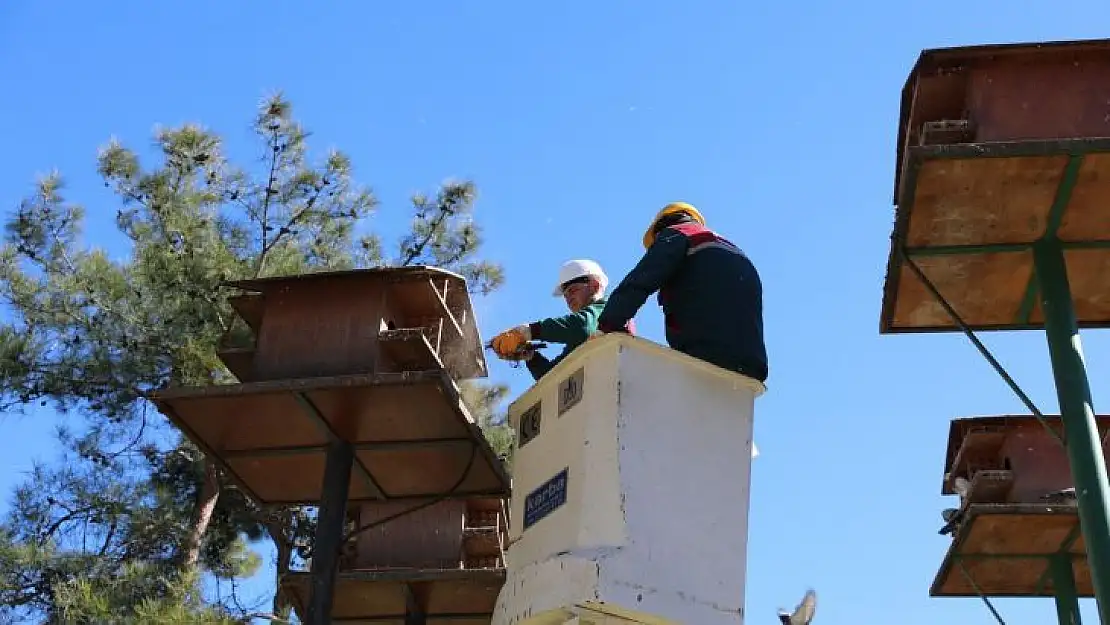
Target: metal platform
(1008, 550)
(1002, 222)
(970, 216)
(412, 435)
(1000, 147)
(457, 597)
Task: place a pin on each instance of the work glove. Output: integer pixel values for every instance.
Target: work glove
(508, 344)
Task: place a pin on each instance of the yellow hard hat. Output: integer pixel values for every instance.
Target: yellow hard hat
(671, 209)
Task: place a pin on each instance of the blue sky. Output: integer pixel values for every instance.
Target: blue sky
(578, 121)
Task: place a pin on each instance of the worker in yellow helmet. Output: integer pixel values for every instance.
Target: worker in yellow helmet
(710, 292)
(582, 285)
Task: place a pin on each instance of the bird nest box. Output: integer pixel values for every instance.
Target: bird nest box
(369, 357)
(418, 566)
(385, 320)
(1000, 147)
(435, 564)
(1012, 523)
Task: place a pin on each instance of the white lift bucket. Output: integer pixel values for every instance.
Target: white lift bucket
(631, 483)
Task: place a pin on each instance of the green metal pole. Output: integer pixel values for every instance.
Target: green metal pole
(1063, 583)
(1088, 467)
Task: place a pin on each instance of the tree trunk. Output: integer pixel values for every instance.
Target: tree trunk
(278, 532)
(206, 506)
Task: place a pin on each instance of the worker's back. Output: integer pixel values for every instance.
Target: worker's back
(713, 304)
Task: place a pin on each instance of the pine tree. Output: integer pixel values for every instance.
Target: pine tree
(133, 514)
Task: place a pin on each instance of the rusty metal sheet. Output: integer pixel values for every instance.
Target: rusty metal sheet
(412, 435)
(986, 290)
(409, 349)
(382, 274)
(987, 201)
(437, 536)
(239, 361)
(1003, 551)
(1004, 433)
(291, 478)
(416, 470)
(250, 307)
(428, 538)
(328, 323)
(457, 595)
(481, 544)
(1009, 91)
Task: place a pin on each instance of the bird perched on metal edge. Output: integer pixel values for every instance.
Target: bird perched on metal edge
(803, 614)
(954, 516)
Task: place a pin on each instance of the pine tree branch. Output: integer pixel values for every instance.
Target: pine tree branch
(89, 291)
(135, 440)
(71, 515)
(294, 220)
(108, 536)
(264, 217)
(456, 257)
(436, 223)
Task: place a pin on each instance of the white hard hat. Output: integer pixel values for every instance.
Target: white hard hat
(576, 269)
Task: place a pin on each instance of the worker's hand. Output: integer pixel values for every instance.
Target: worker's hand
(508, 343)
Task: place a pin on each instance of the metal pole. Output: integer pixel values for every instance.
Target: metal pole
(1063, 583)
(329, 530)
(1088, 467)
(415, 600)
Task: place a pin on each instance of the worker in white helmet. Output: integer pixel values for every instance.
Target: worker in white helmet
(582, 285)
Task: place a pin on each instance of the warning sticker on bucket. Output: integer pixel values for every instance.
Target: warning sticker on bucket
(545, 499)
